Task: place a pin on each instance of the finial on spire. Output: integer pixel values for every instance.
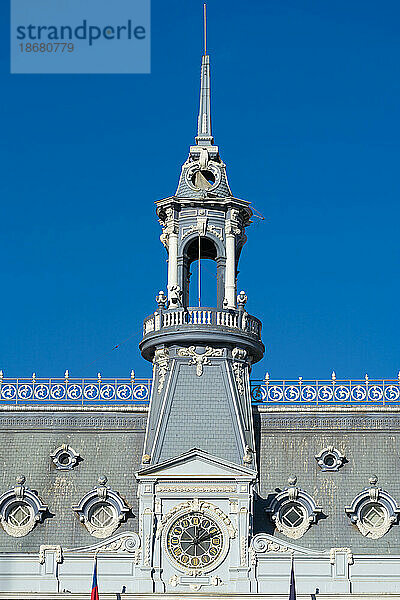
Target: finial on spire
(205, 28)
(204, 136)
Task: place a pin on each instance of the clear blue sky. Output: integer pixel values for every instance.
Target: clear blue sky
(305, 101)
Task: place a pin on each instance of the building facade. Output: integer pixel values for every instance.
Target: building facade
(200, 482)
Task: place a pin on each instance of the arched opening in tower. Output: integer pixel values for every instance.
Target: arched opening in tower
(205, 249)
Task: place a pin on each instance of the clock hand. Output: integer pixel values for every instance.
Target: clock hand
(189, 534)
(204, 537)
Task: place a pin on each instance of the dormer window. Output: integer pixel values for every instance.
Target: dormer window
(65, 458)
(330, 459)
(20, 509)
(293, 510)
(373, 511)
(101, 510)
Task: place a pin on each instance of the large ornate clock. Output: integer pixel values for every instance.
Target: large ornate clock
(195, 541)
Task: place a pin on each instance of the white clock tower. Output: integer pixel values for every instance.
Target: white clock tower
(198, 474)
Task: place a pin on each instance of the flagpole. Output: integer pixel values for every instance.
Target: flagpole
(95, 589)
(292, 588)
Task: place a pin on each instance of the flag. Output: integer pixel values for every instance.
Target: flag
(292, 589)
(95, 589)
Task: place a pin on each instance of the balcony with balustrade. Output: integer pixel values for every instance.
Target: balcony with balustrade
(202, 326)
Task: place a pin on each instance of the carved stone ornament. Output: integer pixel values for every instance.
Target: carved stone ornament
(161, 360)
(330, 459)
(20, 509)
(101, 510)
(169, 226)
(51, 548)
(248, 455)
(196, 505)
(264, 543)
(195, 489)
(293, 510)
(347, 551)
(243, 550)
(175, 580)
(161, 299)
(238, 371)
(239, 368)
(239, 354)
(231, 228)
(200, 359)
(241, 299)
(217, 231)
(128, 542)
(201, 228)
(373, 511)
(65, 458)
(261, 543)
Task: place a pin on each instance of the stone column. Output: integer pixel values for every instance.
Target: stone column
(230, 269)
(172, 260)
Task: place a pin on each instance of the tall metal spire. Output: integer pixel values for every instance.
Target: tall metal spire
(204, 136)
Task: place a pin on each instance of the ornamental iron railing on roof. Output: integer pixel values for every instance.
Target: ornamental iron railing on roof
(133, 390)
(68, 390)
(326, 392)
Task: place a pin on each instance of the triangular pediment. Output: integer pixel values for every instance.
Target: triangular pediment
(196, 464)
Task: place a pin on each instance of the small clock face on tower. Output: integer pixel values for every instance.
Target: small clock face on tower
(203, 179)
(195, 541)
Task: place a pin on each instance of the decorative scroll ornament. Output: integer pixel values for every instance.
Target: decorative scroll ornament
(201, 228)
(373, 511)
(239, 368)
(169, 227)
(200, 359)
(264, 543)
(20, 509)
(261, 543)
(196, 505)
(217, 231)
(293, 510)
(188, 230)
(161, 359)
(238, 371)
(119, 544)
(101, 510)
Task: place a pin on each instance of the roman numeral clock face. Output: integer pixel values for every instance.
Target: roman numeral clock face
(195, 541)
